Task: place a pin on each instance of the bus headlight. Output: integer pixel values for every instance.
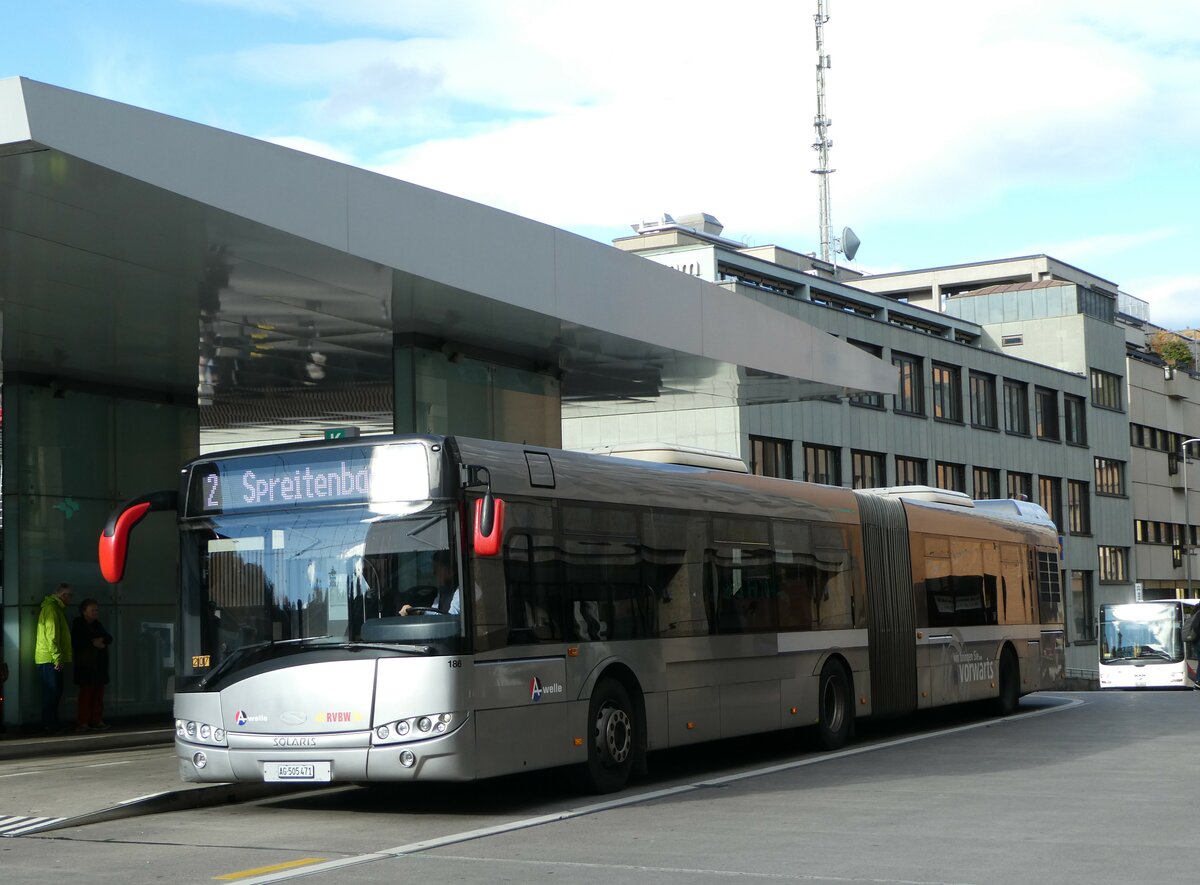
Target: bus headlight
(199, 732)
(417, 728)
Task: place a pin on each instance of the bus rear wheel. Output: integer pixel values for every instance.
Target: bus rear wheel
(1010, 684)
(835, 710)
(612, 736)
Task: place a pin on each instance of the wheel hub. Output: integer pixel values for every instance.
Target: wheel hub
(614, 736)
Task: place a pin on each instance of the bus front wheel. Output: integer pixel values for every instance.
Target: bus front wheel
(835, 707)
(611, 738)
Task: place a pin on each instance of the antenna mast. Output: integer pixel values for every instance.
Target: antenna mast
(822, 123)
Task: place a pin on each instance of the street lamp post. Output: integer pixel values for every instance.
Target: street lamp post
(1187, 516)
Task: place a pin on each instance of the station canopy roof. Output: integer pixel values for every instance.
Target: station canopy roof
(169, 259)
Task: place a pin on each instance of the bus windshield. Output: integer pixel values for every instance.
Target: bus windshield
(1143, 633)
(319, 577)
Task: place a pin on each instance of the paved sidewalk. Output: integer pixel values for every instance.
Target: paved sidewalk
(17, 745)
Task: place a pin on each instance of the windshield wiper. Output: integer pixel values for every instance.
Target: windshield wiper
(407, 649)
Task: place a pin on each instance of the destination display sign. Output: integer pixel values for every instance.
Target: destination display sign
(396, 472)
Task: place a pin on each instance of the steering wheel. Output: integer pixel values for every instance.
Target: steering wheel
(422, 610)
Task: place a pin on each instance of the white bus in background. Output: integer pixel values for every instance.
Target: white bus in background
(1142, 645)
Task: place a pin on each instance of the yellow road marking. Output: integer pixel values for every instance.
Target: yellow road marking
(273, 868)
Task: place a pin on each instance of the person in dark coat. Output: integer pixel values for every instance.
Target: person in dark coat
(90, 642)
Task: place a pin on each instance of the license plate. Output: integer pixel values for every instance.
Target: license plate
(279, 772)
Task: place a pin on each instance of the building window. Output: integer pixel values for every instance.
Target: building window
(1083, 609)
(1050, 497)
(983, 400)
(1016, 407)
(1079, 508)
(1020, 486)
(1114, 567)
(987, 483)
(1075, 419)
(947, 393)
(951, 476)
(868, 470)
(821, 464)
(910, 471)
(1110, 477)
(1106, 390)
(771, 457)
(1046, 411)
(868, 400)
(1012, 340)
(910, 395)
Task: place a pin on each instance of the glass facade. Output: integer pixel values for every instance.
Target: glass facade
(69, 459)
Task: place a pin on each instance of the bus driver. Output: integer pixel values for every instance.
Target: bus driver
(448, 601)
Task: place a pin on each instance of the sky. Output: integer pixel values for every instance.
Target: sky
(961, 131)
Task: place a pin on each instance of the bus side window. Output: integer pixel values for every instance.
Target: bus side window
(673, 570)
(796, 574)
(972, 606)
(604, 574)
(939, 583)
(1015, 608)
(531, 576)
(834, 592)
(746, 595)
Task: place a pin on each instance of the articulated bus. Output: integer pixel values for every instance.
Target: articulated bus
(1142, 645)
(419, 607)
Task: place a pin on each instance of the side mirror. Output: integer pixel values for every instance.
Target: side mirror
(114, 540)
(489, 524)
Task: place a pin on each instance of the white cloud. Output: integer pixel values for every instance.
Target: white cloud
(946, 111)
(1174, 301)
(582, 115)
(119, 69)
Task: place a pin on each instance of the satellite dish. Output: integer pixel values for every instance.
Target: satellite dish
(850, 243)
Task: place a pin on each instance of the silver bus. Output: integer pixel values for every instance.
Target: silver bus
(420, 607)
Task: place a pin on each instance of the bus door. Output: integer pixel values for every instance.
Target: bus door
(520, 686)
